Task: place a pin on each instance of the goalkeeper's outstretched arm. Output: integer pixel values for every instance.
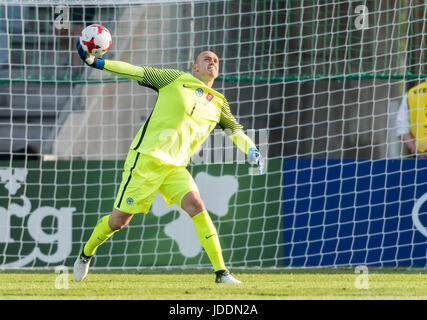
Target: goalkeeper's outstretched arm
(234, 131)
(146, 76)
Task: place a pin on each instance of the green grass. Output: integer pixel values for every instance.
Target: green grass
(199, 285)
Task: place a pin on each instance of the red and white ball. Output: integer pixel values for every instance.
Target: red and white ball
(95, 39)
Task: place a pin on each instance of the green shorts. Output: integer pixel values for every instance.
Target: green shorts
(144, 176)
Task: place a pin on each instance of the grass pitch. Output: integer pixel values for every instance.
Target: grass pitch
(199, 285)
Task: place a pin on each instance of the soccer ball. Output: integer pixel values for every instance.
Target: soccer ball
(95, 39)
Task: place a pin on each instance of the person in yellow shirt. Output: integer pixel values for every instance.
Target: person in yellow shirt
(411, 121)
(186, 111)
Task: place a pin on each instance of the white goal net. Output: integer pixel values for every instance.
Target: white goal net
(317, 85)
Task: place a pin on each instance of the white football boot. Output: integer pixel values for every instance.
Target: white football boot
(81, 267)
(224, 276)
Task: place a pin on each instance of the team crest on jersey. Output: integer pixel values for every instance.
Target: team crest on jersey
(129, 201)
(199, 92)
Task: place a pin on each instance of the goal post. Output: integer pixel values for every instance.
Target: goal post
(317, 85)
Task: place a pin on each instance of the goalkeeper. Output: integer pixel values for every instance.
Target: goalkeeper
(186, 111)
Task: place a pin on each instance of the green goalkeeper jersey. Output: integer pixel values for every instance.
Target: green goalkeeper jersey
(185, 113)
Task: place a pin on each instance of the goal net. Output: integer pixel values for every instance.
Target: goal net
(317, 85)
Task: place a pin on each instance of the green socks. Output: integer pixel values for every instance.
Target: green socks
(209, 240)
(100, 234)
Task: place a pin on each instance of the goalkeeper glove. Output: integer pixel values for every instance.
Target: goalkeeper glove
(89, 59)
(254, 158)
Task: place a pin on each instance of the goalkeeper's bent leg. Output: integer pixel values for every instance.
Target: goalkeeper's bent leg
(104, 229)
(100, 234)
(209, 240)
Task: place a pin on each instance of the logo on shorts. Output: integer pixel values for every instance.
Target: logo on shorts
(199, 92)
(129, 201)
